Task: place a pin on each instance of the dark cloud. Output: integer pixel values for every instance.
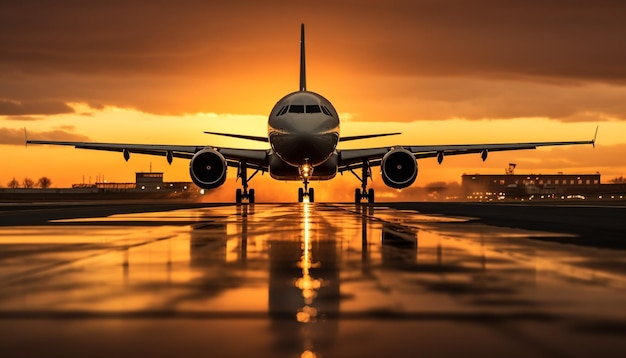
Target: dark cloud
(12, 136)
(476, 99)
(24, 118)
(580, 39)
(29, 108)
(150, 56)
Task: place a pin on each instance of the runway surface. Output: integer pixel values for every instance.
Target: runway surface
(299, 280)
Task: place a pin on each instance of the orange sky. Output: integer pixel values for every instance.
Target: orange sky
(440, 72)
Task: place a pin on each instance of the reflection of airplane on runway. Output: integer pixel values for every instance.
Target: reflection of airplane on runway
(303, 137)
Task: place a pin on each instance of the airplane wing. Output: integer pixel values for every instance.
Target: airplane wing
(350, 159)
(366, 136)
(241, 136)
(256, 158)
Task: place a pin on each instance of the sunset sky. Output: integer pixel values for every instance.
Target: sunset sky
(438, 71)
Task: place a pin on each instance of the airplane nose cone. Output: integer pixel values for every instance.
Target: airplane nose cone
(297, 148)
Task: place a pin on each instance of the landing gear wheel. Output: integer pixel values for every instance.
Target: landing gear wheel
(300, 195)
(311, 195)
(244, 193)
(364, 192)
(370, 196)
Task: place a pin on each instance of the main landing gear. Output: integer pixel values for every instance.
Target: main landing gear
(306, 192)
(244, 193)
(364, 192)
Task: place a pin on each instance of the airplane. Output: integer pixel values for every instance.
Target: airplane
(303, 136)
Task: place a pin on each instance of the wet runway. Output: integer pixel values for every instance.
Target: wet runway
(300, 280)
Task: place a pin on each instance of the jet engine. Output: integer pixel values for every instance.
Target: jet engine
(399, 168)
(208, 169)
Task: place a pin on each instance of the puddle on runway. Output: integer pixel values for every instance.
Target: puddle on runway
(312, 280)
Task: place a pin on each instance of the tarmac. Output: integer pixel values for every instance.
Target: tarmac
(165, 279)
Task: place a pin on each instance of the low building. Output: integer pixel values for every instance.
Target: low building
(519, 186)
(148, 181)
(144, 182)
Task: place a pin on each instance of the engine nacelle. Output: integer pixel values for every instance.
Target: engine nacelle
(208, 169)
(399, 168)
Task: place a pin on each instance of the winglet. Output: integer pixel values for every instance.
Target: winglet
(302, 60)
(593, 142)
(25, 138)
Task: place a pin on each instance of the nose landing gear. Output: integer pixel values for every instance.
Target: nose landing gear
(306, 170)
(306, 192)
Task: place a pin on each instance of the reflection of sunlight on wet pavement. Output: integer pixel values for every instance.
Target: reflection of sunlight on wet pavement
(307, 284)
(314, 280)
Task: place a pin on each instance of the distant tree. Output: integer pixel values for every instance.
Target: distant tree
(14, 184)
(618, 180)
(44, 182)
(28, 183)
(437, 186)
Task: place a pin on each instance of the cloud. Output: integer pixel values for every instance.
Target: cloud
(12, 136)
(515, 37)
(67, 128)
(24, 118)
(200, 56)
(15, 108)
(475, 99)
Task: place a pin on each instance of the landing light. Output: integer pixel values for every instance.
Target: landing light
(306, 170)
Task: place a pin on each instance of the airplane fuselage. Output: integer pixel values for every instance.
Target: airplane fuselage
(303, 130)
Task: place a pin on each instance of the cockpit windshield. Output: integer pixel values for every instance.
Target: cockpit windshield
(313, 108)
(296, 108)
(308, 108)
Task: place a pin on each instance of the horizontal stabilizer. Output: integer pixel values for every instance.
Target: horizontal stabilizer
(241, 136)
(356, 137)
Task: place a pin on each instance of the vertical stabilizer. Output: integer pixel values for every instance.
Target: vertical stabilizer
(302, 61)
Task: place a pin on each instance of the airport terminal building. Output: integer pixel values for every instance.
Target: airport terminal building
(537, 186)
(144, 182)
